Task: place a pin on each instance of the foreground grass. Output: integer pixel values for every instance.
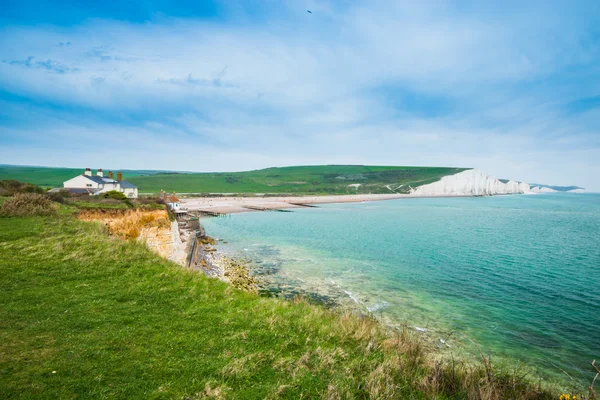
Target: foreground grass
(85, 315)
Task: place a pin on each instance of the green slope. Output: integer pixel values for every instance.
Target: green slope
(319, 179)
(87, 316)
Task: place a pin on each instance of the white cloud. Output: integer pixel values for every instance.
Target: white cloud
(383, 83)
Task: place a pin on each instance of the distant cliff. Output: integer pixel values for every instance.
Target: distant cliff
(541, 188)
(472, 182)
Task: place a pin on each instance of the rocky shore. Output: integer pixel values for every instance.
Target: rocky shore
(266, 278)
(205, 257)
(262, 278)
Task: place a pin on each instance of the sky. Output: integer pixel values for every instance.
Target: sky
(509, 87)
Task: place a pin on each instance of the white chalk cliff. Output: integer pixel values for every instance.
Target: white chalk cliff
(537, 189)
(472, 182)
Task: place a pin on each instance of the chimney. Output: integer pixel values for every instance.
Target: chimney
(99, 173)
(119, 176)
(88, 172)
(110, 175)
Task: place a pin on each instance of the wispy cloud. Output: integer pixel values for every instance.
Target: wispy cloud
(191, 81)
(48, 65)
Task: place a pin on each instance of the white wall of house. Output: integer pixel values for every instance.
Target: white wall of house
(107, 187)
(174, 206)
(80, 182)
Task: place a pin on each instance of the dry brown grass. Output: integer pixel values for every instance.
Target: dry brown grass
(127, 224)
(211, 391)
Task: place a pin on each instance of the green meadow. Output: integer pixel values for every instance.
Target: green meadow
(86, 315)
(321, 179)
(48, 177)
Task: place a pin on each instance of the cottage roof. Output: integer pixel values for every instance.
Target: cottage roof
(127, 185)
(103, 180)
(172, 199)
(100, 179)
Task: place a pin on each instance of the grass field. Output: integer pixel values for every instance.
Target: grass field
(85, 315)
(323, 179)
(51, 177)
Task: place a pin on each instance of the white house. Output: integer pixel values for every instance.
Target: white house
(173, 203)
(98, 184)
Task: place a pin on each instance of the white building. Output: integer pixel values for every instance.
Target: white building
(173, 203)
(98, 184)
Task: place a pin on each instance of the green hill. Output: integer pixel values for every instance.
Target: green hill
(318, 179)
(49, 176)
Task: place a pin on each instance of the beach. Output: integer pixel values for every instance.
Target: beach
(231, 205)
(464, 184)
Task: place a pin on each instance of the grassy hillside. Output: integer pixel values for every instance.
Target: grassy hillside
(85, 315)
(48, 176)
(322, 179)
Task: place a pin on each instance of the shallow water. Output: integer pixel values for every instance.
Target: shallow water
(520, 275)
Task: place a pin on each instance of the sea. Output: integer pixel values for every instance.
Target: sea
(519, 275)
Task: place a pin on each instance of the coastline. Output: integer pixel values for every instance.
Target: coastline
(198, 333)
(234, 205)
(251, 277)
(468, 183)
(204, 256)
(439, 343)
(304, 289)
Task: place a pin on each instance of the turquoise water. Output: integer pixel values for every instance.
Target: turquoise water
(520, 275)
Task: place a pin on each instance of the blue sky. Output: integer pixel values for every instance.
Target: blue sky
(512, 88)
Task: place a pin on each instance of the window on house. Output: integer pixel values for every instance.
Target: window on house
(88, 185)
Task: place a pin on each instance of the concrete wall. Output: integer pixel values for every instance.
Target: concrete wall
(131, 193)
(107, 187)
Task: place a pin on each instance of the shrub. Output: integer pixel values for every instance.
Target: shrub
(57, 197)
(113, 194)
(64, 193)
(22, 204)
(10, 187)
(150, 200)
(98, 202)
